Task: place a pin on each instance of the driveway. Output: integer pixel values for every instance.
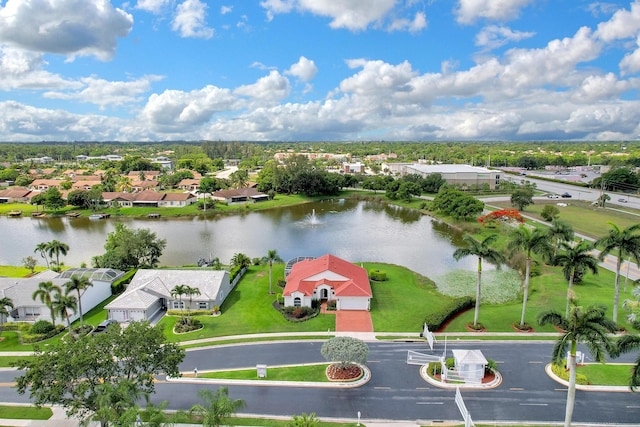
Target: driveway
(353, 321)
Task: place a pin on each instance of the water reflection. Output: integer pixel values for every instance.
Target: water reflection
(354, 230)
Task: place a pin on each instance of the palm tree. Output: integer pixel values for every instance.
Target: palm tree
(240, 259)
(559, 232)
(536, 241)
(574, 259)
(124, 184)
(626, 243)
(177, 292)
(4, 313)
(45, 293)
(41, 248)
(218, 406)
(78, 284)
(482, 250)
(272, 256)
(57, 247)
(626, 344)
(190, 291)
(589, 326)
(62, 303)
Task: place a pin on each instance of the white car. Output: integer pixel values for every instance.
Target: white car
(553, 196)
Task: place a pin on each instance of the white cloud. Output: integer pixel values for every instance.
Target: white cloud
(354, 15)
(106, 93)
(267, 90)
(175, 111)
(67, 27)
(631, 62)
(305, 69)
(153, 6)
(623, 24)
(416, 25)
(190, 20)
(494, 36)
(275, 7)
(596, 88)
(469, 11)
(226, 9)
(21, 69)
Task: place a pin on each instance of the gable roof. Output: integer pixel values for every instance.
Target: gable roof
(346, 279)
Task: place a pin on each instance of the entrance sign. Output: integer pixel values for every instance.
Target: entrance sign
(262, 371)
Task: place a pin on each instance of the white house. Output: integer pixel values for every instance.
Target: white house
(26, 309)
(328, 278)
(149, 293)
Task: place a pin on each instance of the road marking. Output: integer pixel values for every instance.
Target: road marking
(535, 362)
(382, 388)
(423, 388)
(516, 388)
(534, 404)
(429, 403)
(560, 389)
(633, 407)
(8, 384)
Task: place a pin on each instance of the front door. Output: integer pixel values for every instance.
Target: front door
(324, 294)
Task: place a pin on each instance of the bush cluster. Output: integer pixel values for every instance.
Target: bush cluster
(435, 320)
(378, 275)
(120, 285)
(190, 325)
(563, 373)
(299, 314)
(234, 272)
(332, 305)
(189, 313)
(34, 334)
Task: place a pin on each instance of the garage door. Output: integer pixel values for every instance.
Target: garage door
(352, 304)
(136, 315)
(117, 315)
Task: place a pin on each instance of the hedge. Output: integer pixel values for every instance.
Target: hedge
(435, 320)
(563, 373)
(377, 275)
(121, 284)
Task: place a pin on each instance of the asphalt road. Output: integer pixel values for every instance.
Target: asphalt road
(396, 390)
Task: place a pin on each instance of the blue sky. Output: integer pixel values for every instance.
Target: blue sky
(344, 70)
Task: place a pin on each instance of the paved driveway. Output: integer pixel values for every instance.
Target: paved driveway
(353, 321)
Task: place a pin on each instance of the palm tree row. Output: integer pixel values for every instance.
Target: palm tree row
(48, 250)
(556, 246)
(61, 303)
(179, 291)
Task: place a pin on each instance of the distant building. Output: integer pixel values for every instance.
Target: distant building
(352, 168)
(461, 175)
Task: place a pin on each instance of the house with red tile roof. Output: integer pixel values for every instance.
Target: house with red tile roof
(328, 278)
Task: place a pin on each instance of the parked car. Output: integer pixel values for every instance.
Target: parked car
(622, 200)
(102, 326)
(566, 196)
(553, 196)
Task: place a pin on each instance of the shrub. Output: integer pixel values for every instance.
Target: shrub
(120, 285)
(188, 313)
(29, 337)
(41, 327)
(434, 368)
(561, 372)
(450, 363)
(188, 326)
(377, 275)
(280, 299)
(435, 320)
(332, 305)
(299, 314)
(256, 261)
(282, 283)
(234, 272)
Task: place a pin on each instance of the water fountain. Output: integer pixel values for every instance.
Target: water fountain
(312, 218)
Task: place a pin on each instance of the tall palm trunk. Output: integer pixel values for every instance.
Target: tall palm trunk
(571, 391)
(569, 292)
(527, 274)
(80, 309)
(476, 313)
(270, 280)
(616, 288)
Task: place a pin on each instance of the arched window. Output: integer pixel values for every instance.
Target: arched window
(297, 302)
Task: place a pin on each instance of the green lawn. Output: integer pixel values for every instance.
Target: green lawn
(611, 374)
(248, 310)
(25, 413)
(315, 373)
(14, 271)
(585, 219)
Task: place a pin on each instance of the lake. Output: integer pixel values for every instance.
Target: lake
(350, 229)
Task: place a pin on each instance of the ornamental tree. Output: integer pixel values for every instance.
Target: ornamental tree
(345, 351)
(75, 372)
